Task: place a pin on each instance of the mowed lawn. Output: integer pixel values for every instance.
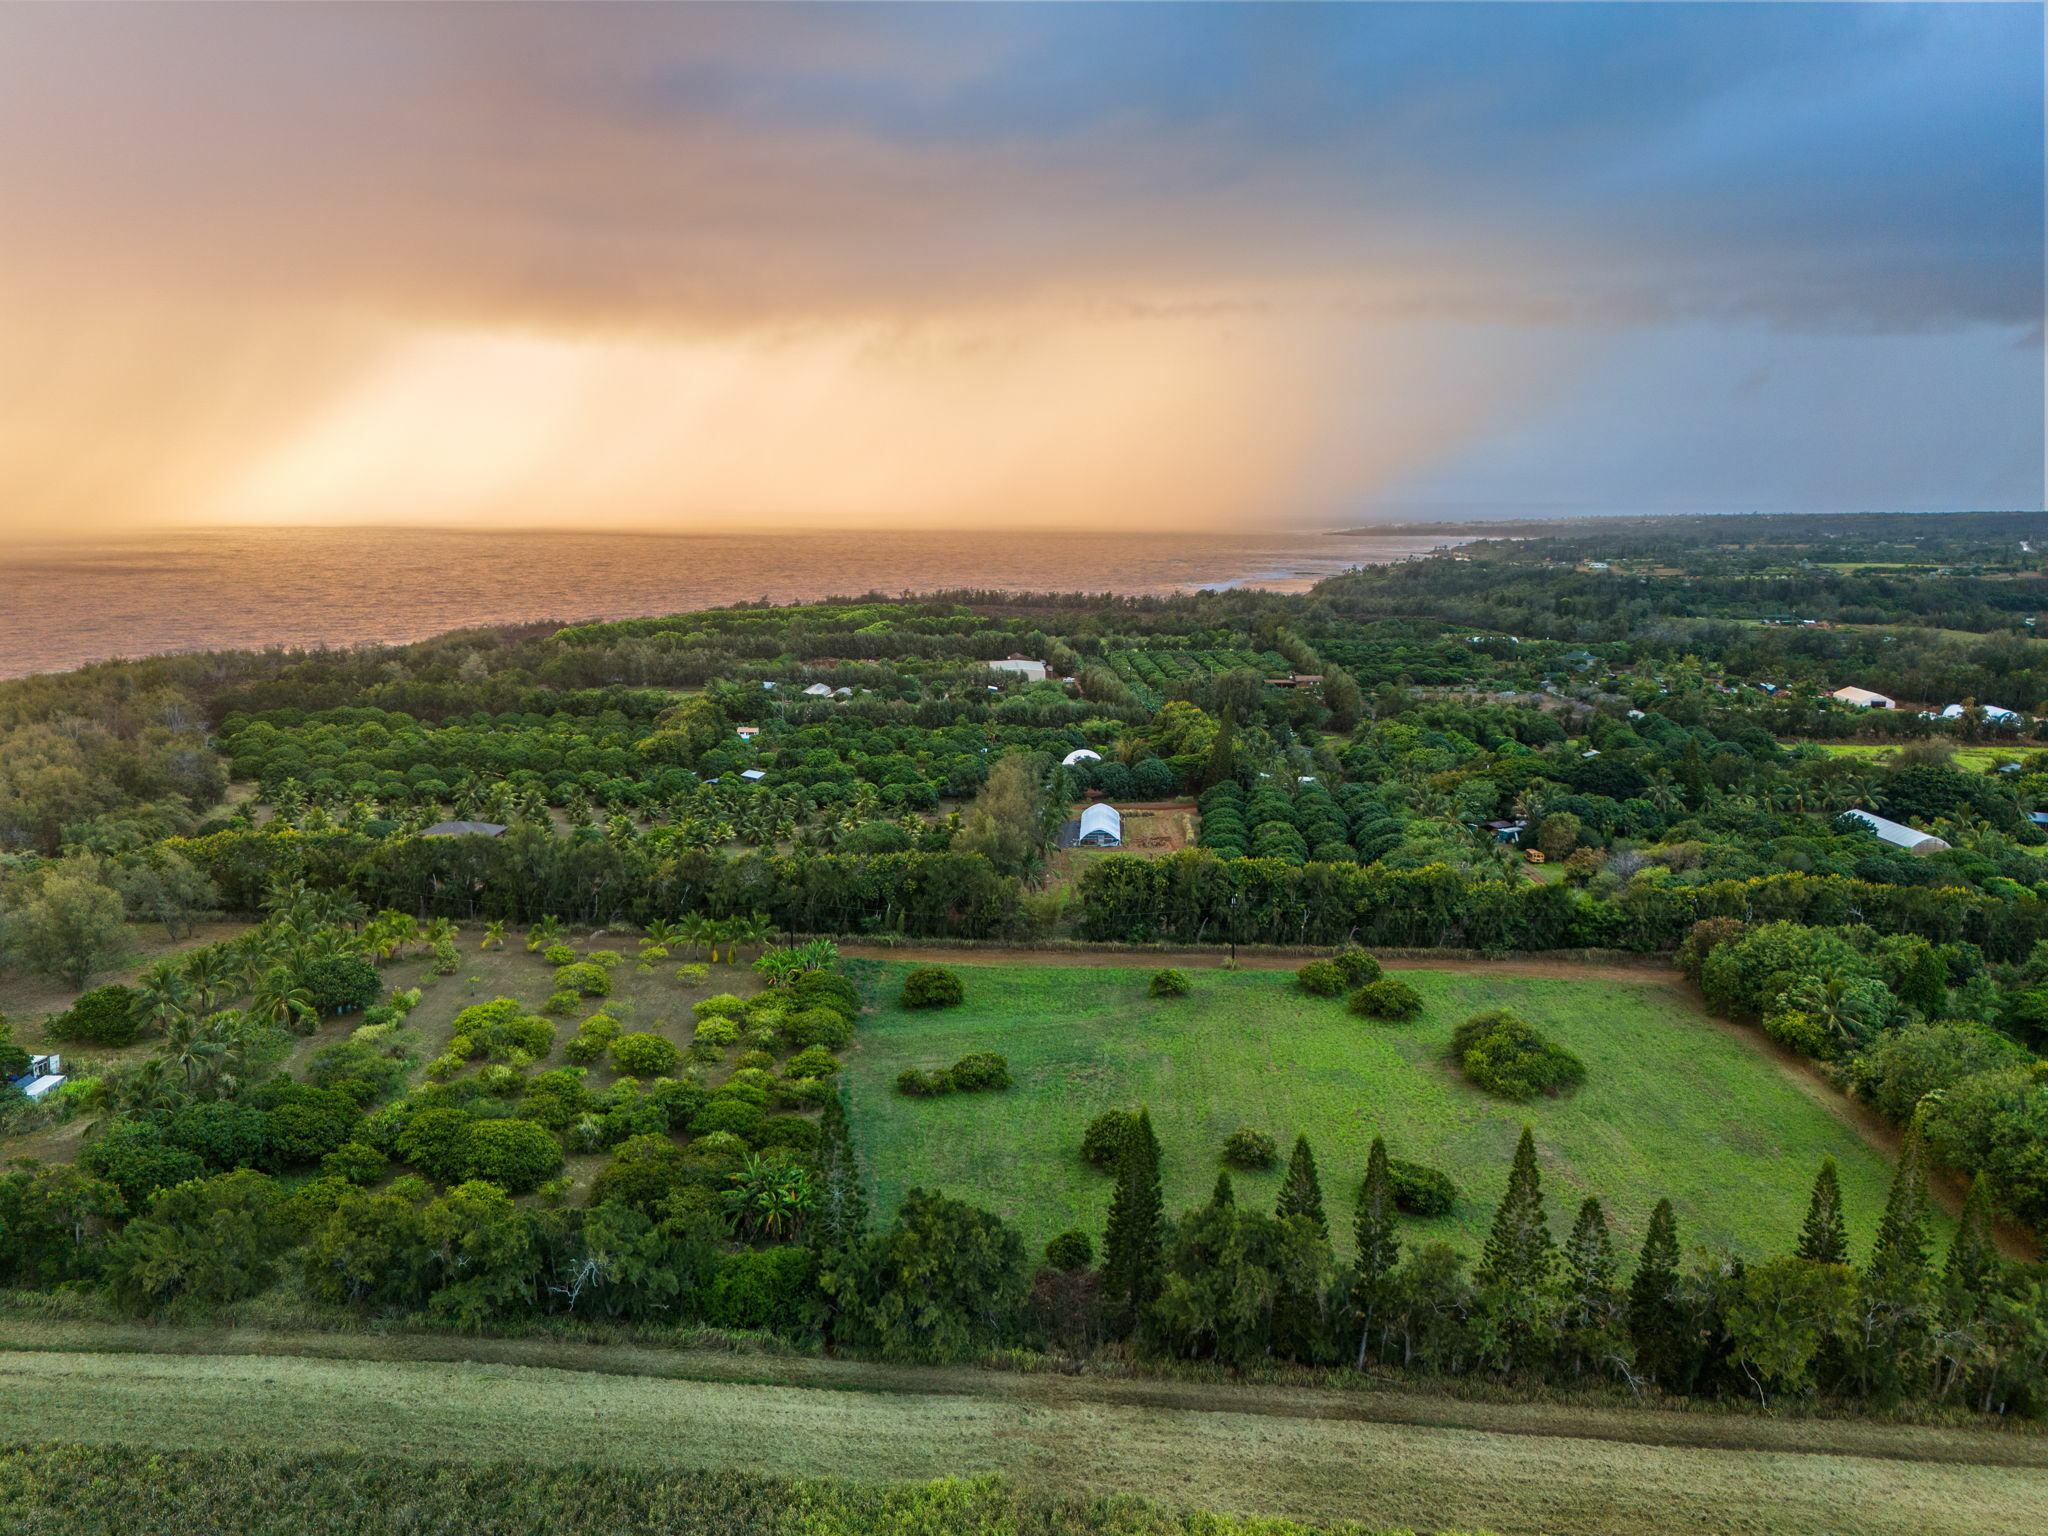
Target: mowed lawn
(1674, 1103)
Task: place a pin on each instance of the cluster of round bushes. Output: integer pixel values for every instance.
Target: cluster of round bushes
(1309, 827)
(932, 986)
(1330, 978)
(1500, 1052)
(279, 1126)
(977, 1072)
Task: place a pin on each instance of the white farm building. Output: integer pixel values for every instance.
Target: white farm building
(1864, 698)
(1102, 826)
(1031, 671)
(1899, 835)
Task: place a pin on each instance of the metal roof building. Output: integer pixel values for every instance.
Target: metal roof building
(1102, 826)
(464, 829)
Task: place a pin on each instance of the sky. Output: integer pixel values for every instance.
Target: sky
(756, 266)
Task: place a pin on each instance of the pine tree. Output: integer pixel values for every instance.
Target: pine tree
(1379, 1245)
(1132, 1241)
(1973, 1256)
(1301, 1193)
(1590, 1265)
(1822, 1239)
(1899, 1255)
(1520, 1252)
(843, 1205)
(1654, 1321)
(1224, 1194)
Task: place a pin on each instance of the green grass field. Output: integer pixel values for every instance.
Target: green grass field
(1674, 1103)
(574, 1441)
(1969, 759)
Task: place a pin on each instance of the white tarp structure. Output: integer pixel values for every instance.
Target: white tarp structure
(1898, 834)
(1864, 697)
(1080, 755)
(1102, 826)
(1991, 712)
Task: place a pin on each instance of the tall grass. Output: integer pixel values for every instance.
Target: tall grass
(98, 1491)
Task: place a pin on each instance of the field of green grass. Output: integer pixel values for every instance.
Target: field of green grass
(1674, 1103)
(239, 1438)
(1969, 759)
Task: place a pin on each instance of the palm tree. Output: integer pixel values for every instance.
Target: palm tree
(165, 997)
(281, 1001)
(494, 936)
(544, 932)
(209, 972)
(697, 930)
(754, 928)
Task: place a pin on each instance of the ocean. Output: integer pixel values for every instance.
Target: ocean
(64, 605)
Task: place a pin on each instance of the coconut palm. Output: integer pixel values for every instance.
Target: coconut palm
(543, 933)
(280, 1000)
(494, 936)
(165, 996)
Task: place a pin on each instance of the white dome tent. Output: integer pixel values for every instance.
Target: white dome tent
(1080, 755)
(1102, 826)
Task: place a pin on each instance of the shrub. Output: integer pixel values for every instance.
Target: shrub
(755, 1060)
(526, 1034)
(825, 1027)
(1070, 1251)
(932, 986)
(718, 1030)
(340, 983)
(1320, 978)
(517, 1154)
(226, 1134)
(585, 978)
(1248, 1148)
(1169, 983)
(643, 1172)
(362, 1071)
(813, 1061)
(723, 1005)
(558, 954)
(131, 1156)
(824, 989)
(601, 1027)
(1501, 1053)
(604, 957)
(1387, 998)
(1806, 1033)
(728, 1112)
(104, 1016)
(355, 1163)
(585, 1049)
(792, 1131)
(1103, 1143)
(1419, 1189)
(644, 1055)
(693, 975)
(306, 1123)
(980, 1072)
(924, 1085)
(804, 1092)
(562, 1004)
(436, 1141)
(765, 1288)
(1358, 967)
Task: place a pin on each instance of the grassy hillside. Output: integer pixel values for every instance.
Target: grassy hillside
(1674, 1103)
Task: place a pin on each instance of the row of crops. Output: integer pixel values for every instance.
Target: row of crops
(1298, 826)
(1152, 675)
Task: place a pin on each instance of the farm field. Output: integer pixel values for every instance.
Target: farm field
(1674, 1104)
(1969, 759)
(417, 1430)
